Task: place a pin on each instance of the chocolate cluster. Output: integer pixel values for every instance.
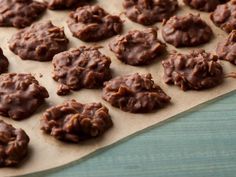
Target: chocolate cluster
(20, 13)
(21, 95)
(74, 122)
(138, 47)
(40, 42)
(197, 70)
(92, 23)
(13, 145)
(135, 93)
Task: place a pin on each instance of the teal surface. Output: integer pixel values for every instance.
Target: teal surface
(200, 143)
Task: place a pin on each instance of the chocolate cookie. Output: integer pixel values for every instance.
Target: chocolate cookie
(74, 122)
(186, 31)
(65, 4)
(20, 95)
(196, 70)
(40, 42)
(92, 23)
(134, 93)
(13, 145)
(3, 62)
(148, 12)
(223, 1)
(226, 50)
(225, 16)
(84, 67)
(20, 13)
(138, 47)
(203, 5)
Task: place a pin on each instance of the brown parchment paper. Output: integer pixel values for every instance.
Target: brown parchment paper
(46, 152)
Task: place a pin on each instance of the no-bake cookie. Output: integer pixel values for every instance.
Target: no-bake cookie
(134, 93)
(83, 67)
(196, 70)
(74, 122)
(186, 31)
(148, 12)
(20, 95)
(224, 16)
(203, 5)
(92, 23)
(138, 47)
(20, 13)
(13, 145)
(3, 62)
(65, 4)
(40, 42)
(226, 50)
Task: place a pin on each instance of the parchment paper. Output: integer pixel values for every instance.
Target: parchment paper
(46, 152)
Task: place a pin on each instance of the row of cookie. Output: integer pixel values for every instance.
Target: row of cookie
(160, 6)
(87, 67)
(72, 121)
(41, 41)
(92, 23)
(23, 13)
(149, 12)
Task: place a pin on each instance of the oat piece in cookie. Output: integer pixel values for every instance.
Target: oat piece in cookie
(66, 4)
(138, 47)
(74, 122)
(13, 145)
(224, 16)
(3, 62)
(194, 71)
(186, 31)
(20, 13)
(63, 90)
(92, 23)
(148, 12)
(134, 93)
(226, 50)
(203, 5)
(21, 95)
(84, 67)
(39, 42)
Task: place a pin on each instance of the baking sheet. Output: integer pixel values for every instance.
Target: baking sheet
(45, 152)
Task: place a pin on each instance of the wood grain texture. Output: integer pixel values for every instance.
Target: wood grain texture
(200, 143)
